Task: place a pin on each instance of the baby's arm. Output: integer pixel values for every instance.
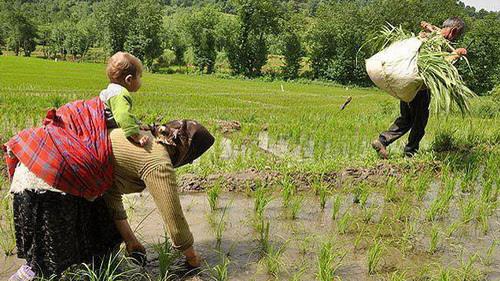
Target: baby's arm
(121, 106)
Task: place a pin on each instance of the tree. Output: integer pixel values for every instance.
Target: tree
(144, 36)
(201, 27)
(79, 38)
(248, 50)
(292, 48)
(483, 54)
(20, 32)
(115, 18)
(174, 37)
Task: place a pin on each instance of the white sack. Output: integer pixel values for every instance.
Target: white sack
(395, 69)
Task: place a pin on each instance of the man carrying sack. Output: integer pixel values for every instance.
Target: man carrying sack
(415, 113)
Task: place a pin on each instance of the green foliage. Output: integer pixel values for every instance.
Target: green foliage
(248, 50)
(144, 34)
(329, 261)
(334, 39)
(201, 27)
(19, 32)
(483, 54)
(374, 256)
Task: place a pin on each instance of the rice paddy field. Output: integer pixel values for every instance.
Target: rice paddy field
(292, 189)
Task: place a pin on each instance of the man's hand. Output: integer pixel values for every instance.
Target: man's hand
(427, 26)
(461, 52)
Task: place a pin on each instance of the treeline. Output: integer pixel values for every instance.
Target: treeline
(316, 39)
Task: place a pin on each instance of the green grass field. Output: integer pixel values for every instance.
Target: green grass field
(297, 130)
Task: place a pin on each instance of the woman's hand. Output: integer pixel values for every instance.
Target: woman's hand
(192, 257)
(134, 246)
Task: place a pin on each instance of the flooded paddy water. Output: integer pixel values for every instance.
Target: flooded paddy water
(301, 239)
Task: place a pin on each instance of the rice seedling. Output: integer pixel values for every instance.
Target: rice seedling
(110, 268)
(343, 223)
(262, 199)
(467, 271)
(367, 214)
(323, 193)
(329, 261)
(219, 272)
(398, 276)
(454, 226)
(403, 210)
(434, 239)
(294, 207)
(359, 236)
(421, 186)
(467, 209)
(483, 213)
(213, 196)
(408, 235)
(374, 256)
(361, 194)
(263, 230)
(288, 190)
(272, 259)
(440, 205)
(220, 227)
(488, 257)
(390, 191)
(306, 244)
(336, 203)
(166, 258)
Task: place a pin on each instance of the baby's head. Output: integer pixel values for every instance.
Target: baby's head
(126, 70)
(453, 28)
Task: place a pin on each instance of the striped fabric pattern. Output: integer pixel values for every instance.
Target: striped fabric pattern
(150, 168)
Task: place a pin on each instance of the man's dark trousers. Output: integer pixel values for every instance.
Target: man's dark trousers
(414, 117)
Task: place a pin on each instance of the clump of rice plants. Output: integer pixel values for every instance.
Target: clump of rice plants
(336, 203)
(467, 209)
(166, 258)
(440, 205)
(110, 268)
(467, 270)
(329, 261)
(262, 228)
(213, 196)
(390, 191)
(343, 223)
(421, 186)
(272, 259)
(294, 207)
(262, 198)
(361, 194)
(488, 257)
(434, 239)
(219, 272)
(403, 210)
(408, 236)
(323, 193)
(220, 227)
(454, 226)
(374, 256)
(288, 190)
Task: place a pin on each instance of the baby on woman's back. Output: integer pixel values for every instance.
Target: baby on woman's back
(124, 72)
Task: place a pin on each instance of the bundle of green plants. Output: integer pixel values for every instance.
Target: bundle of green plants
(436, 70)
